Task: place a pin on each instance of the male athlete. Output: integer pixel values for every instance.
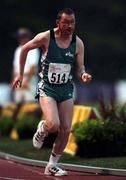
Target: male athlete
(62, 57)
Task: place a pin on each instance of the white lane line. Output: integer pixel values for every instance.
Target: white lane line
(7, 178)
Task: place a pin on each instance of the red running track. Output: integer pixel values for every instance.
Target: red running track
(10, 170)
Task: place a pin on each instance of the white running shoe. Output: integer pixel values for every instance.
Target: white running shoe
(39, 136)
(54, 171)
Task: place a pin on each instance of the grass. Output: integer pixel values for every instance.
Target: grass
(25, 149)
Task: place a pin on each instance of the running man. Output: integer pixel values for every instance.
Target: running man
(62, 57)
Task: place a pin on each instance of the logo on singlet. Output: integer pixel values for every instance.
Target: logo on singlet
(69, 54)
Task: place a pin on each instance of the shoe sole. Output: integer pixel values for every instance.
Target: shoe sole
(51, 174)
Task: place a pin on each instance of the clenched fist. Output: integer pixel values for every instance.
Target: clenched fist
(86, 77)
(17, 82)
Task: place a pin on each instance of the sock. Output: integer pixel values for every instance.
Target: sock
(54, 159)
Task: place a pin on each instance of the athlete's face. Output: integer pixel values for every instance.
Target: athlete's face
(66, 24)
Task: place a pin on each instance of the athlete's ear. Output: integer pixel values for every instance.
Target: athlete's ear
(57, 22)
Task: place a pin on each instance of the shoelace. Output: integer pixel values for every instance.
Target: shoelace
(54, 169)
(40, 137)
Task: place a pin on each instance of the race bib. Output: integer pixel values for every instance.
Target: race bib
(58, 73)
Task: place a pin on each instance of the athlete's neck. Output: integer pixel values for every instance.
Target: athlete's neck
(62, 36)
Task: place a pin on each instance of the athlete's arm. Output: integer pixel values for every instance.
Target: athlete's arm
(80, 68)
(40, 40)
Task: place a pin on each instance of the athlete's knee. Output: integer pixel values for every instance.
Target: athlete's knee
(53, 126)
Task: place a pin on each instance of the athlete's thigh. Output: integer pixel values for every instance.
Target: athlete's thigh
(49, 109)
(66, 112)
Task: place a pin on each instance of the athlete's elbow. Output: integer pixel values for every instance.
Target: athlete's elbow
(24, 49)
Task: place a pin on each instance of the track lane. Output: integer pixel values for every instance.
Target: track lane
(10, 170)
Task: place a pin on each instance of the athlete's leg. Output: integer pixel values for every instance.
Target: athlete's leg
(51, 122)
(65, 115)
(50, 112)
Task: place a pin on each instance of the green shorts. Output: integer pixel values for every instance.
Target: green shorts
(60, 92)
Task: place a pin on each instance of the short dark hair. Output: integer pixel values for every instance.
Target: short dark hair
(68, 11)
(23, 33)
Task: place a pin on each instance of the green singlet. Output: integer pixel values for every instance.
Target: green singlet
(56, 74)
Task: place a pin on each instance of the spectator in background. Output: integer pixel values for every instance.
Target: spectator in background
(27, 92)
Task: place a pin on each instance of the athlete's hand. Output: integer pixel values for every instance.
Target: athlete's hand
(17, 82)
(86, 77)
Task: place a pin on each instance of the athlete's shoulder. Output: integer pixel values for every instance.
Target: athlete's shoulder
(42, 38)
(79, 44)
(42, 35)
(79, 40)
